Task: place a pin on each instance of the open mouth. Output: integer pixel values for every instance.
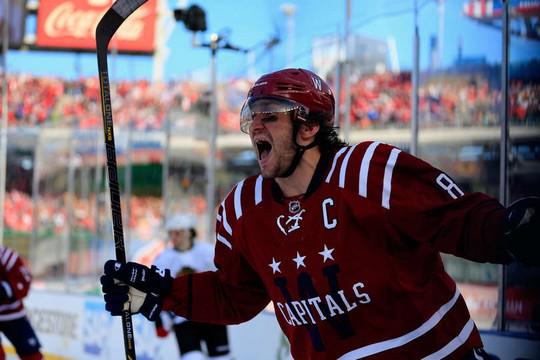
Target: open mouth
(263, 149)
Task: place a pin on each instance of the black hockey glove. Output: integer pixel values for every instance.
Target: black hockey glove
(119, 296)
(523, 230)
(144, 288)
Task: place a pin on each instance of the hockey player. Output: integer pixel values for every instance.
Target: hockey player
(186, 256)
(345, 240)
(15, 279)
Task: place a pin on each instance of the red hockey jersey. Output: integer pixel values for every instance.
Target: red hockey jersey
(15, 280)
(353, 266)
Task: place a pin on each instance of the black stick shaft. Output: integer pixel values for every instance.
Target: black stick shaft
(108, 25)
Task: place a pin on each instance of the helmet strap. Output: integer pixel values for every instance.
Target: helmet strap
(300, 149)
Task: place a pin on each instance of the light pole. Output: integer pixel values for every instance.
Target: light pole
(347, 71)
(3, 139)
(194, 19)
(161, 53)
(289, 10)
(440, 34)
(211, 164)
(504, 147)
(415, 84)
(216, 43)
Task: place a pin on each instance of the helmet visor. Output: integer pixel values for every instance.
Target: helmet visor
(268, 109)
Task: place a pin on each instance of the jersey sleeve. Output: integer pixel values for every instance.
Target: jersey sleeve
(232, 294)
(422, 203)
(18, 278)
(426, 205)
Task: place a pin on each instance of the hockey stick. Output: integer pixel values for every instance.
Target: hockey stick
(109, 23)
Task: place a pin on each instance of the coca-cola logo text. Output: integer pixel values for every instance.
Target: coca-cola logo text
(68, 20)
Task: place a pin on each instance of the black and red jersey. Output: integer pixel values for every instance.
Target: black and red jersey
(15, 279)
(353, 266)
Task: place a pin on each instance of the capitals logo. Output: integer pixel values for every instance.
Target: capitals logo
(292, 223)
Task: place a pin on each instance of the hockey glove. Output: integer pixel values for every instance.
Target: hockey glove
(523, 230)
(144, 288)
(142, 278)
(119, 296)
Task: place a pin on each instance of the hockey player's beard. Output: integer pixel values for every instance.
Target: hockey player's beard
(278, 165)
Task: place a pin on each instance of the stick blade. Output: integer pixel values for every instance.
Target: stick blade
(124, 8)
(113, 18)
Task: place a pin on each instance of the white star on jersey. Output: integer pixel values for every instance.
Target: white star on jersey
(275, 266)
(327, 253)
(299, 260)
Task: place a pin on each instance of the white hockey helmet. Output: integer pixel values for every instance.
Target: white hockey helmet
(180, 222)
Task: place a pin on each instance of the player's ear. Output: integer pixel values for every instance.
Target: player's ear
(307, 132)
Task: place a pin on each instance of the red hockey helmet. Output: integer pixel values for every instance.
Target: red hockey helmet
(293, 89)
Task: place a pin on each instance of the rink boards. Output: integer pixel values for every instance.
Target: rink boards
(77, 327)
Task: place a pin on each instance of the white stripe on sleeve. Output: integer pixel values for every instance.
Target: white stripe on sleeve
(224, 241)
(343, 169)
(387, 181)
(364, 168)
(12, 261)
(336, 157)
(12, 316)
(7, 254)
(10, 306)
(224, 218)
(238, 199)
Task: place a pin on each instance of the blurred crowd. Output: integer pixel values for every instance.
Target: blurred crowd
(47, 101)
(378, 100)
(53, 211)
(384, 100)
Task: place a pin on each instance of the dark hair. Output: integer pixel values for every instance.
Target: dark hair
(327, 138)
(192, 235)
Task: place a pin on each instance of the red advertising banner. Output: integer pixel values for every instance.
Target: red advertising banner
(71, 24)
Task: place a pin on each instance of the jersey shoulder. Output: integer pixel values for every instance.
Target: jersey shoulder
(383, 173)
(9, 259)
(363, 168)
(245, 198)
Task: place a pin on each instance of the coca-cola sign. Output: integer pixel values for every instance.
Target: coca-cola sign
(71, 24)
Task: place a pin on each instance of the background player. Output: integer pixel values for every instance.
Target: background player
(187, 256)
(15, 280)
